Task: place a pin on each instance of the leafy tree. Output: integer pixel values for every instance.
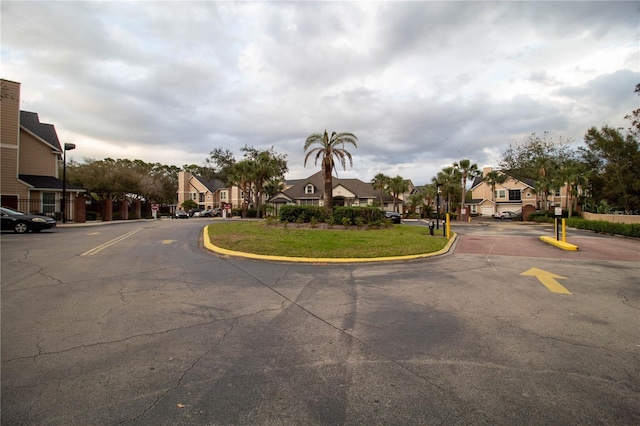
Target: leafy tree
(380, 182)
(537, 158)
(267, 165)
(219, 163)
(397, 186)
(467, 170)
(189, 204)
(327, 149)
(614, 159)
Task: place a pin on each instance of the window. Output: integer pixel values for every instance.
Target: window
(474, 209)
(49, 202)
(501, 193)
(202, 197)
(309, 202)
(223, 195)
(309, 189)
(515, 195)
(194, 195)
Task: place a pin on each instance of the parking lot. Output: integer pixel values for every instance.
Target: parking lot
(137, 324)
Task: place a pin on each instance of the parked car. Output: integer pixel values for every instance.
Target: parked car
(394, 217)
(180, 214)
(506, 215)
(18, 222)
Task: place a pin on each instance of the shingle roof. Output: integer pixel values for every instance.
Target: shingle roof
(46, 132)
(47, 182)
(212, 185)
(359, 188)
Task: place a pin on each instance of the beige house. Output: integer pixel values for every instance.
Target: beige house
(512, 195)
(207, 194)
(346, 192)
(31, 156)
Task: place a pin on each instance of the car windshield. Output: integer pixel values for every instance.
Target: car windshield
(7, 210)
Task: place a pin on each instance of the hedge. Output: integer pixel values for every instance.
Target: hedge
(341, 215)
(603, 227)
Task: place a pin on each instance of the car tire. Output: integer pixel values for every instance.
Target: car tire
(20, 228)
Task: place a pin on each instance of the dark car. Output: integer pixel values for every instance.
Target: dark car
(18, 222)
(394, 217)
(180, 214)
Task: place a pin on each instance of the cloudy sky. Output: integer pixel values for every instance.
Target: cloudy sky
(421, 84)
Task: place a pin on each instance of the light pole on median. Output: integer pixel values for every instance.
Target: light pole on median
(63, 209)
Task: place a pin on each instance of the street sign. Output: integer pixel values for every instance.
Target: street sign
(155, 207)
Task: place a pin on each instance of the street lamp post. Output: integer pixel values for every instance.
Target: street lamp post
(63, 209)
(438, 185)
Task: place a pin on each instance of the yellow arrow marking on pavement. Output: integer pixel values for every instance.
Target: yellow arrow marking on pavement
(548, 279)
(167, 241)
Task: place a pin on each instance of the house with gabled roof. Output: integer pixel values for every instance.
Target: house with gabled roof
(346, 192)
(31, 156)
(207, 193)
(512, 195)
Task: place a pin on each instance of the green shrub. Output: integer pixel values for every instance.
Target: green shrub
(346, 221)
(314, 222)
(291, 213)
(92, 216)
(603, 227)
(366, 214)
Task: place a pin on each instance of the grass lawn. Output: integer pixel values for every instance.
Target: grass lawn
(259, 238)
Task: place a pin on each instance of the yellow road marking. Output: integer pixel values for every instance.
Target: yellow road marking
(167, 241)
(548, 279)
(93, 233)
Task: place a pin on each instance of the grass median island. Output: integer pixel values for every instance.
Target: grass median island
(291, 241)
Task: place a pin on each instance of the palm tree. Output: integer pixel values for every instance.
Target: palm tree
(494, 178)
(381, 183)
(241, 175)
(468, 170)
(449, 177)
(397, 187)
(327, 149)
(574, 175)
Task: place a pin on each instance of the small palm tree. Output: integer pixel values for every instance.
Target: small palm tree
(381, 183)
(329, 147)
(467, 170)
(492, 179)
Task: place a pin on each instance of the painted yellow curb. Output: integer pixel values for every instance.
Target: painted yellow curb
(561, 244)
(210, 246)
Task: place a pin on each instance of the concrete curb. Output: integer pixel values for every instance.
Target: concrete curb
(560, 244)
(212, 247)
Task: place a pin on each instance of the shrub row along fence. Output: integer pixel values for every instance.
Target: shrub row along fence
(599, 226)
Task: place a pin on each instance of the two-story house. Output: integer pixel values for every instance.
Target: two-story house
(207, 194)
(31, 156)
(512, 195)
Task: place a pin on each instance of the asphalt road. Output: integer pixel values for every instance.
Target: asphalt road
(135, 323)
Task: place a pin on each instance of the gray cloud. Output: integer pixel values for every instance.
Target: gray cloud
(422, 84)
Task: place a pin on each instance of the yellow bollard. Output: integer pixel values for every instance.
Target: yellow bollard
(448, 227)
(564, 230)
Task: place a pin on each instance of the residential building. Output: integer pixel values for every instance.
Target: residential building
(206, 193)
(512, 195)
(31, 156)
(346, 192)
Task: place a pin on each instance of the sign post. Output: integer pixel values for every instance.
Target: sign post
(154, 210)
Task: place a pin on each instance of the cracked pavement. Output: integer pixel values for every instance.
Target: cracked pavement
(168, 334)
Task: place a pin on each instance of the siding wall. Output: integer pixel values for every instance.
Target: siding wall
(36, 157)
(9, 133)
